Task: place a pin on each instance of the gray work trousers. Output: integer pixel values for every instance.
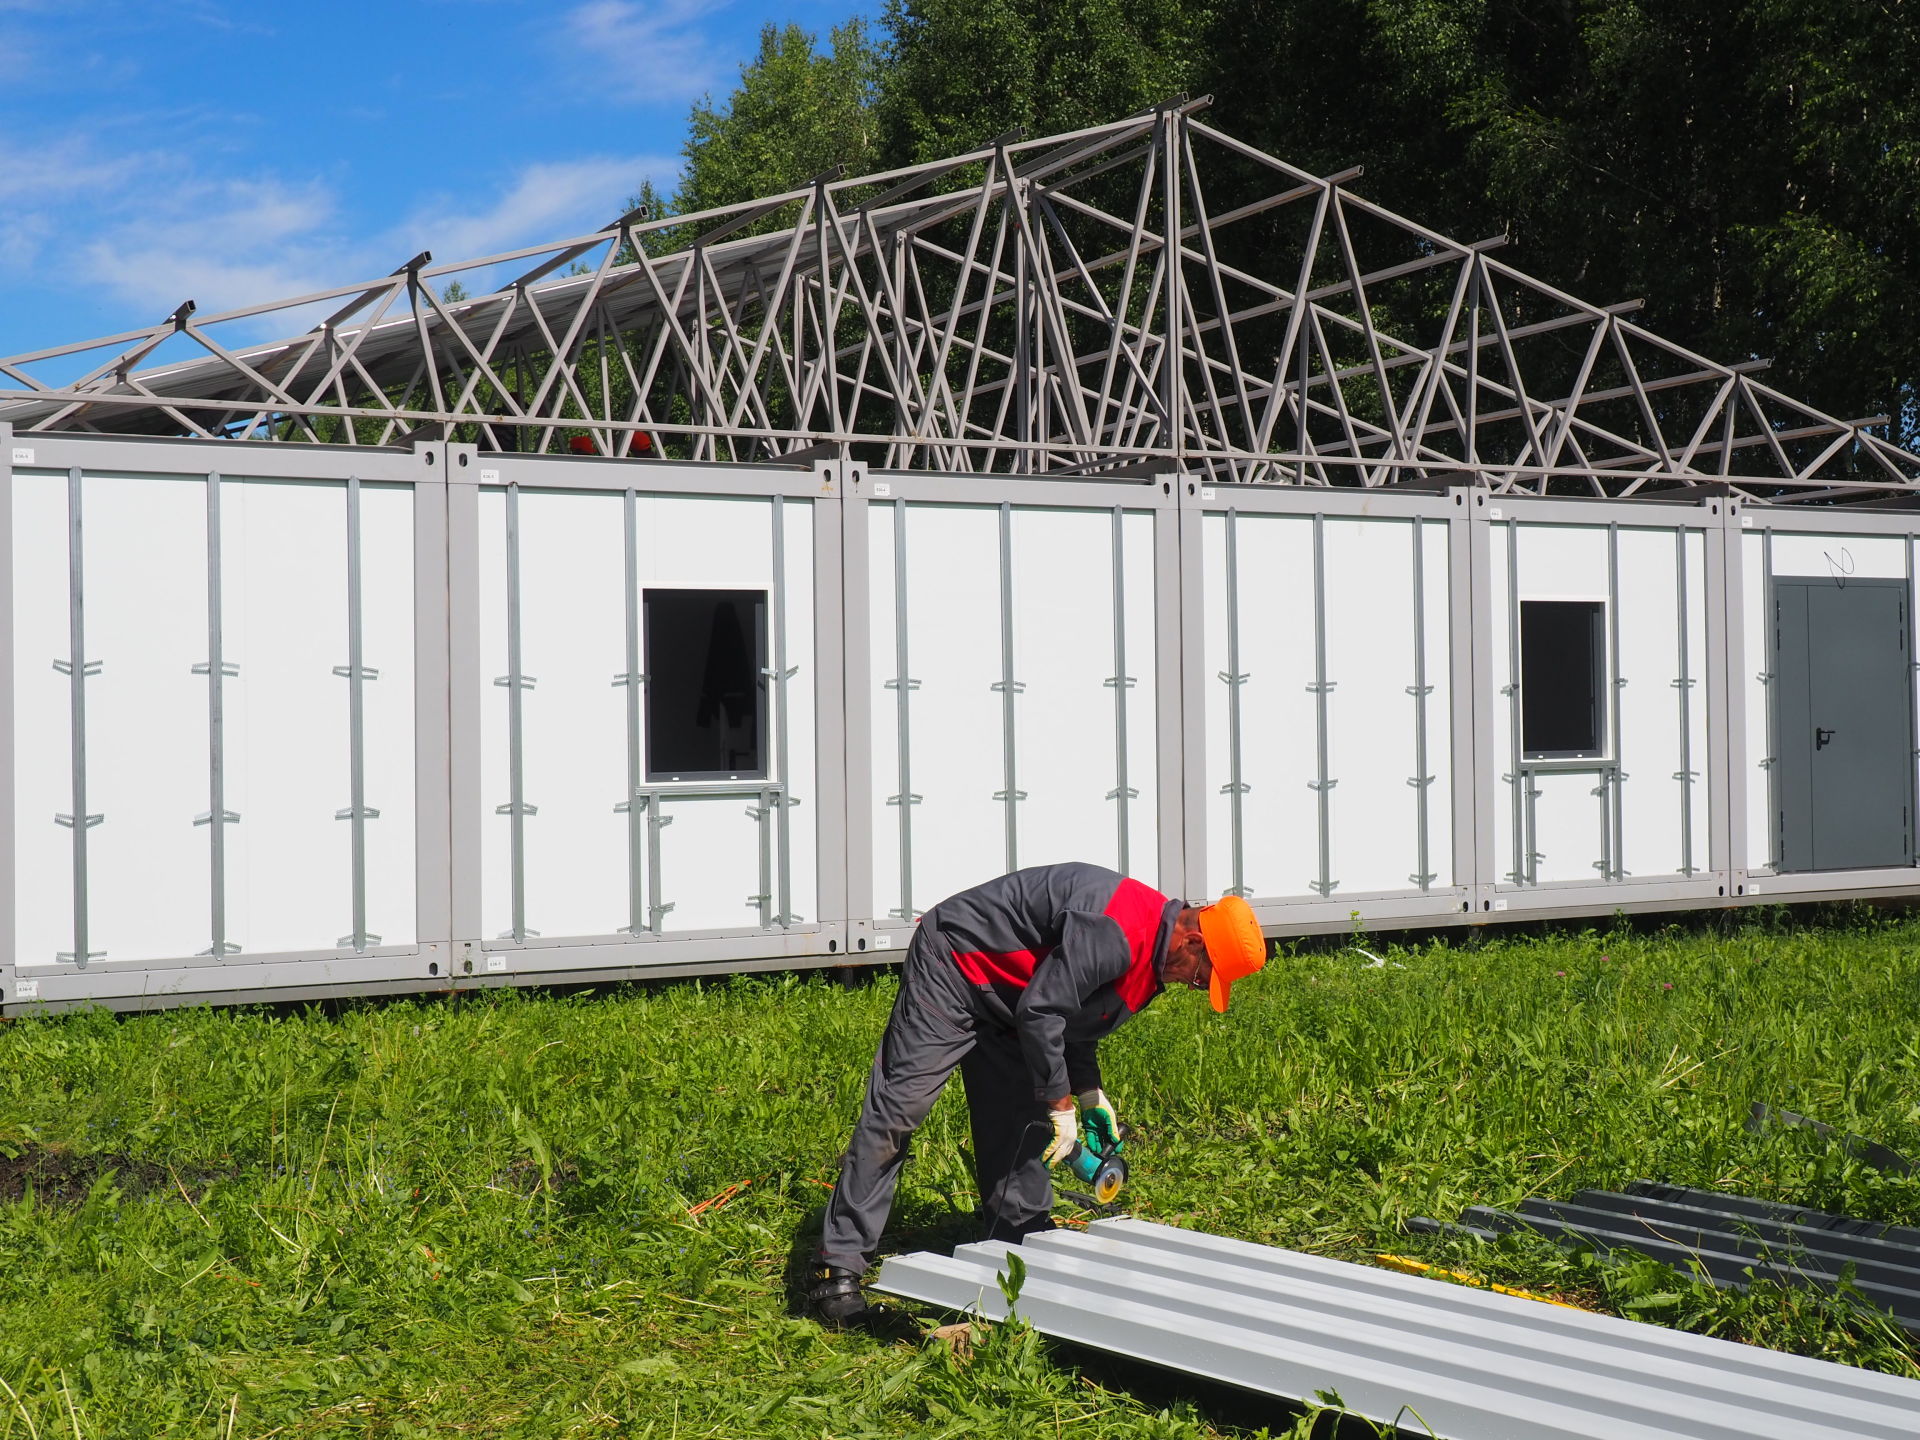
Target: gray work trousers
(932, 1031)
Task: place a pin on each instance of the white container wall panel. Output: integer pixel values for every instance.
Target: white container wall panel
(42, 734)
(1065, 746)
(148, 878)
(956, 754)
(1752, 671)
(576, 602)
(1663, 791)
(1020, 604)
(1140, 608)
(888, 714)
(1378, 758)
(1563, 562)
(1260, 643)
(710, 862)
(1504, 786)
(387, 650)
(288, 713)
(496, 763)
(573, 643)
(1706, 782)
(806, 814)
(1067, 640)
(288, 760)
(1568, 827)
(1437, 627)
(1840, 557)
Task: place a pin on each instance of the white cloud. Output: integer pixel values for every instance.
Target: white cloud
(546, 200)
(240, 242)
(61, 168)
(222, 244)
(653, 53)
(148, 230)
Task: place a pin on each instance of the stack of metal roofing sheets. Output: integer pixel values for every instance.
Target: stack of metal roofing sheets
(1458, 1362)
(1729, 1239)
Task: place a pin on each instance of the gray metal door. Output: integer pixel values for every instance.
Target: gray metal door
(1843, 724)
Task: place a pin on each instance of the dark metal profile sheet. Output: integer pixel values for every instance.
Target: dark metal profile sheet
(1732, 1240)
(1462, 1363)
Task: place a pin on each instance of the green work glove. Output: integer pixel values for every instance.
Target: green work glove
(1096, 1113)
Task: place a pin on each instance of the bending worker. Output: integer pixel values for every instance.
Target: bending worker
(1014, 981)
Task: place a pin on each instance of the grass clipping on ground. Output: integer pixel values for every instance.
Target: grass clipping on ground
(545, 1217)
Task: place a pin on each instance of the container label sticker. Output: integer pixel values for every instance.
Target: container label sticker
(496, 964)
(22, 455)
(882, 487)
(883, 942)
(489, 477)
(26, 989)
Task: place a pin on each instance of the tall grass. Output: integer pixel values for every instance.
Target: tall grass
(472, 1217)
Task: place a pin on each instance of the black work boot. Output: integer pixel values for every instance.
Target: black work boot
(834, 1297)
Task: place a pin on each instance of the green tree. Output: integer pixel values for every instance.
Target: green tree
(797, 112)
(959, 72)
(1748, 167)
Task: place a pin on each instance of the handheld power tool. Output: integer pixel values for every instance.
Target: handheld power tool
(1099, 1165)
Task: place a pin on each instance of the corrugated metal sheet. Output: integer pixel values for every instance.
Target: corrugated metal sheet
(1731, 1239)
(1763, 1117)
(1470, 1364)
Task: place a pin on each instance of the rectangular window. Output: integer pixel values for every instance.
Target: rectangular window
(1563, 673)
(706, 695)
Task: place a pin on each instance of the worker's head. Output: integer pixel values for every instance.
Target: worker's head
(1213, 946)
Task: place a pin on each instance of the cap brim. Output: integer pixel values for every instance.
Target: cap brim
(1219, 991)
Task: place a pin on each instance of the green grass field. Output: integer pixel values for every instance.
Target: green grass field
(472, 1217)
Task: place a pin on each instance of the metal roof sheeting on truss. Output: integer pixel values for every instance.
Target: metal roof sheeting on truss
(1464, 1363)
(1727, 1239)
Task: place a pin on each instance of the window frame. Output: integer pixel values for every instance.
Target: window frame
(760, 641)
(1600, 610)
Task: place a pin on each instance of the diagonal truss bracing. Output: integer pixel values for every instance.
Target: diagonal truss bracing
(1125, 296)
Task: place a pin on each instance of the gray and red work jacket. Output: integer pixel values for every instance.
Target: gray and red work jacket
(1060, 954)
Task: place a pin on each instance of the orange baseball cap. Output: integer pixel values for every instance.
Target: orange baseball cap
(1235, 946)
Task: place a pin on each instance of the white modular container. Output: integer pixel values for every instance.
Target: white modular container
(287, 720)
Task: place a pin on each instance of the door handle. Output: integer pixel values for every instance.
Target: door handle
(1821, 738)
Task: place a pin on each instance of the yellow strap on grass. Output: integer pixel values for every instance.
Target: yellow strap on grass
(1407, 1265)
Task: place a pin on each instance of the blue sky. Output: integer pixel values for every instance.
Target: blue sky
(154, 151)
